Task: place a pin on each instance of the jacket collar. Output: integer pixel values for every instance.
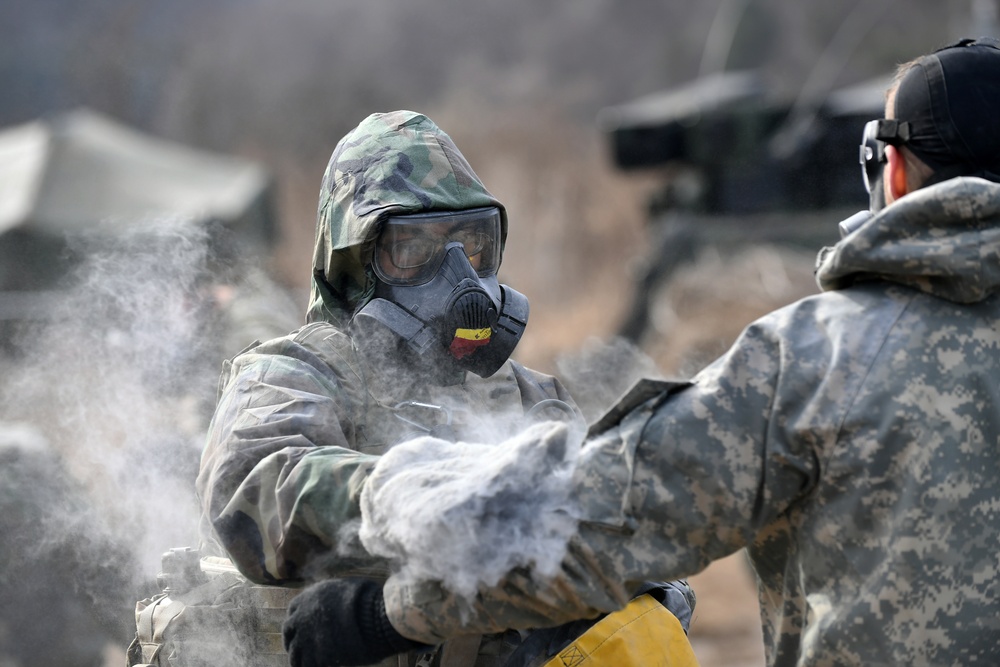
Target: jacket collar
(943, 240)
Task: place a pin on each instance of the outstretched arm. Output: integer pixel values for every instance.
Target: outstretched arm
(676, 483)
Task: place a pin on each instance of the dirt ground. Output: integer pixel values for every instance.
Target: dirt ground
(725, 630)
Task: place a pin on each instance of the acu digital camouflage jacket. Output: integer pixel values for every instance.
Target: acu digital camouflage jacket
(850, 442)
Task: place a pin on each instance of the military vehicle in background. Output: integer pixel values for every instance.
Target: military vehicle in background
(739, 167)
(744, 164)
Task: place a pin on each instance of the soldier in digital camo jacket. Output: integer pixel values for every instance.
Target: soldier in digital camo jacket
(408, 333)
(850, 441)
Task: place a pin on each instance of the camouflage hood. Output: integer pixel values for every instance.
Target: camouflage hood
(943, 240)
(391, 164)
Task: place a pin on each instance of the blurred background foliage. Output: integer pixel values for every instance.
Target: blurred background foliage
(517, 83)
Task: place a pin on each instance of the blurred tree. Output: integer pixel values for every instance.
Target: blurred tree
(252, 75)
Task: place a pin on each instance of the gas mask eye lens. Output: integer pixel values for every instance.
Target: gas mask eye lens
(473, 240)
(416, 251)
(411, 253)
(410, 248)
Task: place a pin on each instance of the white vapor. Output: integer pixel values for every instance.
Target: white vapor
(466, 514)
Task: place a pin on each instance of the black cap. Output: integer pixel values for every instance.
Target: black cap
(951, 99)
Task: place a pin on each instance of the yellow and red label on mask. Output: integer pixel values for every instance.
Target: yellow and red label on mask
(467, 341)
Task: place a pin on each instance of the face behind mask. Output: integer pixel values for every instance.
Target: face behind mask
(436, 290)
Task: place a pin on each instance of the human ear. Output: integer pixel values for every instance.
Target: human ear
(895, 174)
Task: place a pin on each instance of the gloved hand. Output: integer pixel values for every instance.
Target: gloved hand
(677, 596)
(341, 622)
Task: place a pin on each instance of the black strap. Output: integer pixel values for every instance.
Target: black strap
(991, 42)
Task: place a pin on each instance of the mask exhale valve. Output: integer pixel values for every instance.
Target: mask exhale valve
(474, 317)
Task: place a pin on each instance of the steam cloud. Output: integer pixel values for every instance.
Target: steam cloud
(117, 384)
(466, 514)
(119, 377)
(102, 419)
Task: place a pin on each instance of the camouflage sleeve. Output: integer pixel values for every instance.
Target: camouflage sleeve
(678, 482)
(278, 483)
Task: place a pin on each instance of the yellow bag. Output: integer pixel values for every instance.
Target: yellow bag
(643, 632)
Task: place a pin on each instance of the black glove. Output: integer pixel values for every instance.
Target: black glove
(341, 622)
(677, 596)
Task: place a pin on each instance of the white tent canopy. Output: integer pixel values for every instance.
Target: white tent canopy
(78, 169)
(81, 175)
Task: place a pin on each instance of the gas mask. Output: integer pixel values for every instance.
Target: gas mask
(436, 290)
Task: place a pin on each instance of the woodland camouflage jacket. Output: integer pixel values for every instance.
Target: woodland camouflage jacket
(301, 419)
(850, 441)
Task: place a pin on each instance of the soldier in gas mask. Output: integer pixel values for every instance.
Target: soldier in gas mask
(409, 332)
